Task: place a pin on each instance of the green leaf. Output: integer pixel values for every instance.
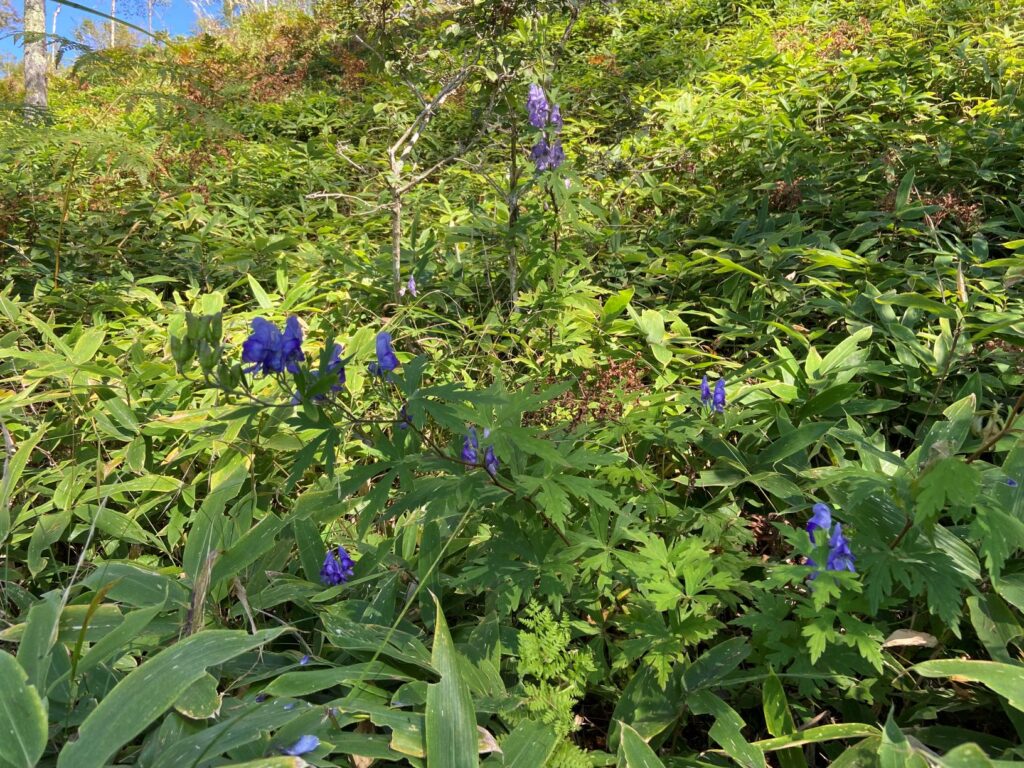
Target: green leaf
(895, 751)
(949, 481)
(726, 729)
(844, 359)
(818, 735)
(1005, 679)
(715, 663)
(259, 294)
(863, 754)
(16, 465)
(779, 720)
(529, 745)
(917, 301)
(615, 304)
(22, 717)
(200, 700)
(634, 752)
(646, 706)
(149, 691)
(451, 734)
(965, 756)
(39, 638)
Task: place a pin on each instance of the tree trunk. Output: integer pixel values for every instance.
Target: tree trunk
(35, 54)
(113, 26)
(54, 45)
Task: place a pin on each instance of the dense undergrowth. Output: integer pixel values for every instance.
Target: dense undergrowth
(818, 204)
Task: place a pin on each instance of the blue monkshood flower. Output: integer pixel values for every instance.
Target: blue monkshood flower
(1011, 482)
(409, 287)
(404, 420)
(263, 347)
(261, 697)
(546, 156)
(840, 558)
(705, 391)
(304, 660)
(386, 359)
(556, 118)
(491, 463)
(537, 106)
(303, 746)
(335, 365)
(539, 153)
(338, 567)
(718, 400)
(291, 344)
(557, 156)
(821, 519)
(470, 446)
(269, 350)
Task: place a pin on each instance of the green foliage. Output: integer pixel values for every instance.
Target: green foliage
(817, 203)
(553, 677)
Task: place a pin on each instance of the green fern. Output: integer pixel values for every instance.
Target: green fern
(553, 677)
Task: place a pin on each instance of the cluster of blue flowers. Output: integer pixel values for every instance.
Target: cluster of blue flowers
(270, 350)
(715, 400)
(338, 567)
(471, 452)
(840, 558)
(547, 153)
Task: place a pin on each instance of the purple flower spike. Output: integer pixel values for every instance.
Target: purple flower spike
(491, 463)
(537, 106)
(718, 400)
(705, 391)
(470, 446)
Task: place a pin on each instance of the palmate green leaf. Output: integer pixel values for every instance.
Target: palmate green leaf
(949, 481)
(22, 717)
(451, 733)
(150, 690)
(1005, 679)
(634, 752)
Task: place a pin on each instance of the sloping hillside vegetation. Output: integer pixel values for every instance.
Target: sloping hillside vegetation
(513, 383)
